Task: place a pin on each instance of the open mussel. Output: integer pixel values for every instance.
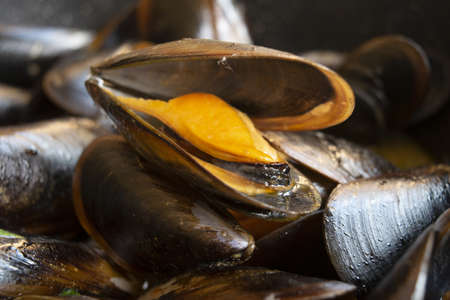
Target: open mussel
(37, 165)
(423, 272)
(250, 283)
(278, 90)
(39, 266)
(236, 165)
(369, 223)
(153, 226)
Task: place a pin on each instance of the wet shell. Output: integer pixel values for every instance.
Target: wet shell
(37, 165)
(173, 155)
(154, 226)
(423, 272)
(278, 90)
(38, 266)
(370, 223)
(251, 284)
(26, 52)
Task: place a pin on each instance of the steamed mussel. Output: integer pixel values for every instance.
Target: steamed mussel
(162, 212)
(254, 180)
(170, 228)
(40, 266)
(37, 165)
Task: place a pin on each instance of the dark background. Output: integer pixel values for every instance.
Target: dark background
(293, 25)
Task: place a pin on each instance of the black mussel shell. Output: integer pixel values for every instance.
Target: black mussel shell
(251, 284)
(64, 84)
(154, 226)
(27, 52)
(37, 162)
(14, 105)
(337, 159)
(395, 71)
(298, 247)
(370, 223)
(278, 90)
(38, 266)
(423, 272)
(168, 20)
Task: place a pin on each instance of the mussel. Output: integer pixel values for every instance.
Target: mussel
(39, 266)
(263, 184)
(390, 76)
(298, 247)
(26, 52)
(369, 223)
(14, 104)
(152, 226)
(423, 272)
(37, 165)
(167, 20)
(250, 283)
(328, 160)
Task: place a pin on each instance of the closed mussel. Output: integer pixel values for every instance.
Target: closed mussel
(153, 226)
(26, 52)
(423, 272)
(390, 76)
(39, 266)
(370, 223)
(14, 104)
(36, 169)
(250, 283)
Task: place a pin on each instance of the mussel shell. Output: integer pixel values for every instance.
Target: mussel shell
(37, 165)
(14, 104)
(35, 297)
(26, 52)
(84, 14)
(168, 20)
(276, 89)
(64, 84)
(250, 283)
(157, 227)
(298, 247)
(369, 223)
(423, 272)
(38, 266)
(339, 160)
(168, 153)
(395, 70)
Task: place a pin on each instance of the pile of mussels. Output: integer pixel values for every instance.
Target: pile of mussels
(195, 169)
